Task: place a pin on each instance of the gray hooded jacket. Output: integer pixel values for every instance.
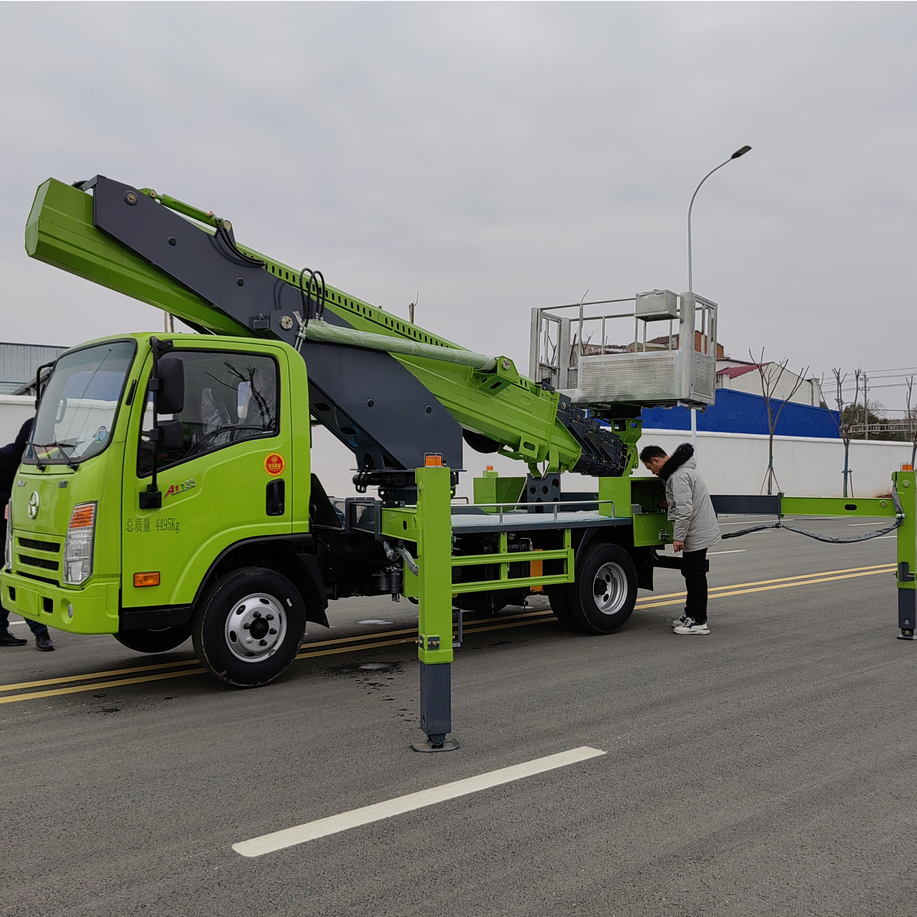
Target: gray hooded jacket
(690, 509)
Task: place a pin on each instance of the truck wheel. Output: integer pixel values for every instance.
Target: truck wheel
(605, 591)
(155, 639)
(248, 626)
(560, 604)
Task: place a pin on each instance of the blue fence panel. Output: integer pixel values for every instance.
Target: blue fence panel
(741, 412)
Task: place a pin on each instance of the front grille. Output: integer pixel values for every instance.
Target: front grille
(42, 562)
(32, 545)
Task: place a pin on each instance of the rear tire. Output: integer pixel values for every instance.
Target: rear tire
(605, 591)
(248, 627)
(155, 639)
(560, 604)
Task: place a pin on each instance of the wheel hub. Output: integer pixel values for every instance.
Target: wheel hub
(609, 589)
(256, 627)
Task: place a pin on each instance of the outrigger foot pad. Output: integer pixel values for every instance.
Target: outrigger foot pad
(431, 746)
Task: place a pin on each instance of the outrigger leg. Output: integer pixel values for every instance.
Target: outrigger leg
(434, 560)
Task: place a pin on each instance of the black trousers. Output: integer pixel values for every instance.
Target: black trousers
(694, 570)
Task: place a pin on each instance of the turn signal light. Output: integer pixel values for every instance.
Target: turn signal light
(83, 516)
(146, 579)
(433, 460)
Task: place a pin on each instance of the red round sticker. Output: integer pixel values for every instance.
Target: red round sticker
(274, 464)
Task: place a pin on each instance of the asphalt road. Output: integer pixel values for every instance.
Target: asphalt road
(765, 769)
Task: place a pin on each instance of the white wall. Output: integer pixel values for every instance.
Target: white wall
(736, 463)
(14, 411)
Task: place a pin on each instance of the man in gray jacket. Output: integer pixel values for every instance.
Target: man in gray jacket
(690, 511)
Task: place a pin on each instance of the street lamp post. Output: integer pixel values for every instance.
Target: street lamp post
(739, 152)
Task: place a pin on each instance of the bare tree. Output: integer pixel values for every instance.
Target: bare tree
(770, 375)
(911, 417)
(845, 419)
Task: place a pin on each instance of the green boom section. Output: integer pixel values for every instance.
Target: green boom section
(514, 412)
(60, 232)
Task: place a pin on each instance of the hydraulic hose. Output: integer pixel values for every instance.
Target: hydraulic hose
(866, 536)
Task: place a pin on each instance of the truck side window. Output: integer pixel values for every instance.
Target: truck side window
(229, 397)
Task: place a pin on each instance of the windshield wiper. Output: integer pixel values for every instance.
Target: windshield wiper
(56, 445)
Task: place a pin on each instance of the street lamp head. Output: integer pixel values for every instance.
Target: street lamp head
(740, 152)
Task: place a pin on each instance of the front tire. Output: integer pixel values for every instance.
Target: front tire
(248, 627)
(154, 639)
(605, 592)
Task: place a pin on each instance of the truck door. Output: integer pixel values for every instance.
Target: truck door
(227, 481)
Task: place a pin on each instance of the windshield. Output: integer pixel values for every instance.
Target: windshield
(79, 406)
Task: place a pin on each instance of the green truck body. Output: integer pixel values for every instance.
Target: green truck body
(167, 490)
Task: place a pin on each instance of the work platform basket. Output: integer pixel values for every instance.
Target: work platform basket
(597, 357)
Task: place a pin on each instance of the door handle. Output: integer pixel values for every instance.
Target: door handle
(276, 490)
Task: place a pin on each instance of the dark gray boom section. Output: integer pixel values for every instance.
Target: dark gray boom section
(366, 398)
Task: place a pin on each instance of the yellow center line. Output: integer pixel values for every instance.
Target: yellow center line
(650, 600)
(102, 684)
(400, 637)
(334, 651)
(735, 590)
(325, 647)
(88, 675)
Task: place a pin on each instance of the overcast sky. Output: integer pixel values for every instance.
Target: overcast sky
(495, 157)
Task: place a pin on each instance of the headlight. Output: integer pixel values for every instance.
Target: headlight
(78, 547)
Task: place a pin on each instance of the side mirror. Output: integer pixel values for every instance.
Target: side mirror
(173, 434)
(172, 392)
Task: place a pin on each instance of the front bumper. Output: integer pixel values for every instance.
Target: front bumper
(90, 609)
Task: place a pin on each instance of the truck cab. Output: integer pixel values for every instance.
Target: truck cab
(122, 517)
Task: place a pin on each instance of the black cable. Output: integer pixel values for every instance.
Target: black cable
(306, 297)
(317, 286)
(322, 293)
(876, 534)
(361, 482)
(827, 538)
(754, 528)
(224, 235)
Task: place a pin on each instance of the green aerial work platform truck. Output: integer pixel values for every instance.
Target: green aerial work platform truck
(167, 489)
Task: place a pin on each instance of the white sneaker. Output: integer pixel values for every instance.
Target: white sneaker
(690, 626)
(677, 622)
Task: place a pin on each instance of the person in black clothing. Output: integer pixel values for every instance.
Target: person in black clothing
(10, 459)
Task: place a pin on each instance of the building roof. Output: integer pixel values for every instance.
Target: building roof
(732, 372)
(20, 362)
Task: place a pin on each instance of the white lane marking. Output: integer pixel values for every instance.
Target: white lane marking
(289, 837)
(738, 551)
